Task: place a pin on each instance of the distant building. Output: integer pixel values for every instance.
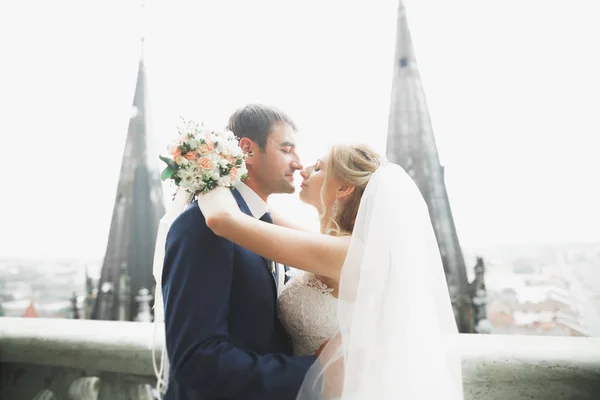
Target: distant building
(30, 311)
(537, 309)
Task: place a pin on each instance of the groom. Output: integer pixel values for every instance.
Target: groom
(224, 339)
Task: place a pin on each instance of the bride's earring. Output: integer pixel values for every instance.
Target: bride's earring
(335, 209)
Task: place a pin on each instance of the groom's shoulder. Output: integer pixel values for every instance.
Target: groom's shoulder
(190, 218)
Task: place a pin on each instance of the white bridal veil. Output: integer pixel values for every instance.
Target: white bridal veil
(395, 318)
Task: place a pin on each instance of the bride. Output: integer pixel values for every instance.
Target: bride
(370, 297)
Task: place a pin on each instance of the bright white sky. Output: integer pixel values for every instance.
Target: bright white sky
(513, 89)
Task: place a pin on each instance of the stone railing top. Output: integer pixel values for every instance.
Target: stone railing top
(115, 346)
(494, 366)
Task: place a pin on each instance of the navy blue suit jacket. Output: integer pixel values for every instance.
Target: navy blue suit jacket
(224, 339)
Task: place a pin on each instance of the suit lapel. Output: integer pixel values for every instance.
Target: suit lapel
(246, 210)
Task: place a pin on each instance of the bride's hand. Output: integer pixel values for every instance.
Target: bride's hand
(332, 361)
(321, 348)
(218, 207)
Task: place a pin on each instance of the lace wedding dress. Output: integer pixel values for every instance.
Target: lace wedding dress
(308, 311)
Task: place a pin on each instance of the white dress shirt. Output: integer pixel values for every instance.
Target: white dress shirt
(258, 208)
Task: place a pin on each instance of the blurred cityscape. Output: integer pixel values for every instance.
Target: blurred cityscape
(531, 290)
(45, 288)
(549, 290)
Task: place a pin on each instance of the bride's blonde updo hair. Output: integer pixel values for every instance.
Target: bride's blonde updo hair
(353, 165)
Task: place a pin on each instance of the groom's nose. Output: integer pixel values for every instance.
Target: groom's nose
(296, 165)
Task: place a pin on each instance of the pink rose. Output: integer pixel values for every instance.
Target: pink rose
(191, 155)
(233, 173)
(174, 149)
(206, 148)
(205, 163)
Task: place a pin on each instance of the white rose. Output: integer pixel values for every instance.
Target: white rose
(182, 173)
(236, 151)
(187, 181)
(230, 146)
(224, 181)
(223, 162)
(212, 137)
(215, 158)
(195, 170)
(222, 146)
(216, 176)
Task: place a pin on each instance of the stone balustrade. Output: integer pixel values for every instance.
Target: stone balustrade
(46, 359)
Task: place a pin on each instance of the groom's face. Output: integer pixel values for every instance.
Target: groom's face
(276, 165)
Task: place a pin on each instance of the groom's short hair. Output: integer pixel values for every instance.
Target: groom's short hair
(255, 122)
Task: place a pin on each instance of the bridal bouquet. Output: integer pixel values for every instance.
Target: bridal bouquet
(202, 159)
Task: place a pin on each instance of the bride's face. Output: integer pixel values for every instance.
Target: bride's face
(312, 183)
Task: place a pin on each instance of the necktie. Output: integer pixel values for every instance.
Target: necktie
(267, 218)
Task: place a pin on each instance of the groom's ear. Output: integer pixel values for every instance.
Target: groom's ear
(247, 145)
(345, 190)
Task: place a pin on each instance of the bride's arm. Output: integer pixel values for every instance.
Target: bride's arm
(320, 254)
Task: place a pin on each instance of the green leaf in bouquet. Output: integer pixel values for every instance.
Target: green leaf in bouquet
(170, 163)
(239, 162)
(167, 173)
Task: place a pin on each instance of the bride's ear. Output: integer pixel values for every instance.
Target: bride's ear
(344, 191)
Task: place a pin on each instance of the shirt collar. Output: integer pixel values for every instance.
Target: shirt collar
(257, 206)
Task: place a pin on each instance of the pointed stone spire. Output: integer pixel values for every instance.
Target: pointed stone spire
(137, 209)
(411, 144)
